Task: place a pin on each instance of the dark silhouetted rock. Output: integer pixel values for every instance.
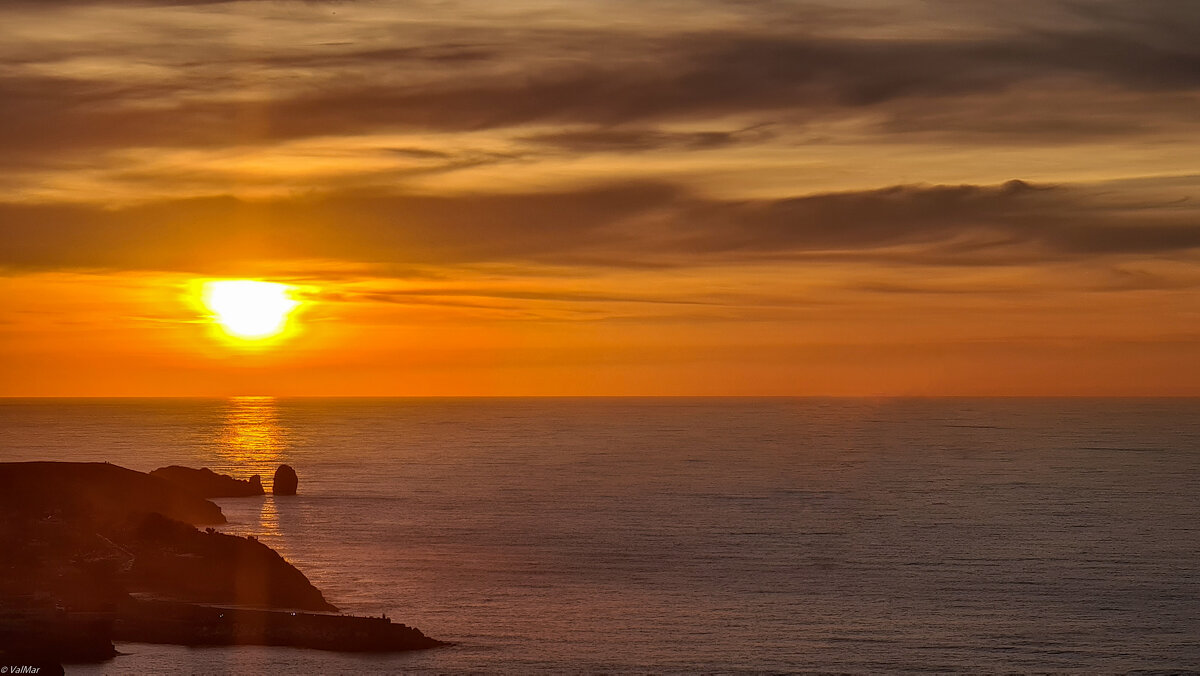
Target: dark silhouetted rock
(62, 557)
(285, 481)
(92, 532)
(100, 492)
(208, 484)
(47, 636)
(77, 539)
(176, 560)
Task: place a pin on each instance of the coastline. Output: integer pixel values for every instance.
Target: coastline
(99, 553)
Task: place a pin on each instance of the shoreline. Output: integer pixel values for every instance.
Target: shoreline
(190, 624)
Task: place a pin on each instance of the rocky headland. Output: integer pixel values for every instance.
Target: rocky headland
(208, 484)
(93, 552)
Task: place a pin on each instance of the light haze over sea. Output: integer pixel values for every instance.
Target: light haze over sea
(684, 535)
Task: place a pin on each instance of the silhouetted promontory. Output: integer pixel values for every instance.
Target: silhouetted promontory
(175, 560)
(285, 481)
(86, 547)
(97, 492)
(208, 484)
(88, 533)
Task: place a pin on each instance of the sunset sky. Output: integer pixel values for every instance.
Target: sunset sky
(604, 197)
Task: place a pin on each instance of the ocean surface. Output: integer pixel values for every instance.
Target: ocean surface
(697, 535)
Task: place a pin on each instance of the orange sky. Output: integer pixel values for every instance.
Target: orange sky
(883, 197)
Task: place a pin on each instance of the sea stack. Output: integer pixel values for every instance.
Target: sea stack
(285, 481)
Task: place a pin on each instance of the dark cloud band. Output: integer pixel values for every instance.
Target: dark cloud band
(628, 224)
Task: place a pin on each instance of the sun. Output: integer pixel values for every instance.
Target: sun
(249, 310)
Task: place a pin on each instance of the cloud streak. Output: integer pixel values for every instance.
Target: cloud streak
(620, 225)
(602, 77)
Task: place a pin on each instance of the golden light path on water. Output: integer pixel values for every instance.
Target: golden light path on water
(252, 441)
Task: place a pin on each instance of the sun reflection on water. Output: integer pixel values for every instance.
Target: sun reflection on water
(268, 526)
(251, 441)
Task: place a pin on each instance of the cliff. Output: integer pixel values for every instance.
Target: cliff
(208, 484)
(175, 560)
(92, 532)
(97, 492)
(78, 540)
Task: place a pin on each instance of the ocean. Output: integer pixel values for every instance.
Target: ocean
(696, 535)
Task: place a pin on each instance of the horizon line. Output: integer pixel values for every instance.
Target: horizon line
(610, 396)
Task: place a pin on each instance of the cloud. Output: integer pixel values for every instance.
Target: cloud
(632, 140)
(604, 76)
(362, 227)
(439, 295)
(621, 225)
